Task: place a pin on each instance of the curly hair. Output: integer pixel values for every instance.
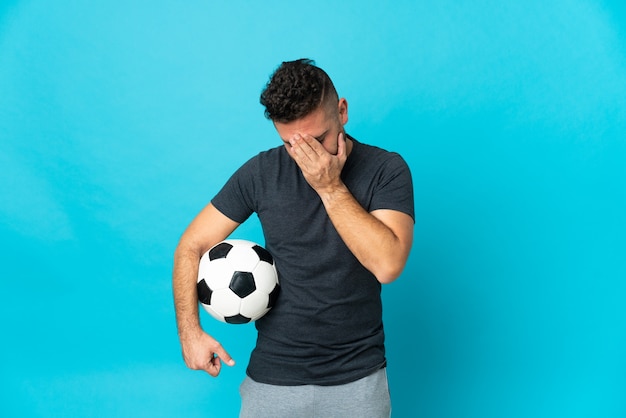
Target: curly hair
(296, 89)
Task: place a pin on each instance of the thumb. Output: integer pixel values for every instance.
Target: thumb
(341, 145)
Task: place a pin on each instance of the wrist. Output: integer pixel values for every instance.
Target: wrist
(189, 329)
(334, 193)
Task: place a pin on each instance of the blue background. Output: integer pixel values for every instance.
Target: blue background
(119, 120)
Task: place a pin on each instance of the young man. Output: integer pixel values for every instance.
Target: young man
(337, 216)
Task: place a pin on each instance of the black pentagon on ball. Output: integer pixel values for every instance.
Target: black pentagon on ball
(273, 296)
(242, 283)
(221, 250)
(237, 319)
(263, 254)
(204, 292)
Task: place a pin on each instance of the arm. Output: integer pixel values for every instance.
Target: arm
(380, 240)
(200, 350)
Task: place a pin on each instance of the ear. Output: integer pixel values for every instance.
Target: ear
(343, 111)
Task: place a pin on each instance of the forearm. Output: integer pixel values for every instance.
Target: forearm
(184, 280)
(200, 350)
(371, 241)
(206, 230)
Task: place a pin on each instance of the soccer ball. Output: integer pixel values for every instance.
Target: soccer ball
(237, 281)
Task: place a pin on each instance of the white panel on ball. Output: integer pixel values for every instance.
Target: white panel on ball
(261, 273)
(252, 304)
(242, 258)
(225, 302)
(216, 273)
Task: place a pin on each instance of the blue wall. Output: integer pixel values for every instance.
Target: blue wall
(119, 121)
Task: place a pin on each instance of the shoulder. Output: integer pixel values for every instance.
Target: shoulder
(373, 156)
(267, 167)
(265, 159)
(272, 156)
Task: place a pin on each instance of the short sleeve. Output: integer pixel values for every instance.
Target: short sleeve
(395, 187)
(236, 198)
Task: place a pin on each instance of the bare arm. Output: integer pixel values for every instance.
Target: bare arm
(380, 240)
(200, 350)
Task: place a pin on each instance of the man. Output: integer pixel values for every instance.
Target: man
(338, 218)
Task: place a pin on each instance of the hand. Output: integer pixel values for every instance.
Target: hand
(320, 168)
(203, 352)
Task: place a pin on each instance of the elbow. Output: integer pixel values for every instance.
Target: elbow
(388, 268)
(390, 263)
(188, 247)
(388, 273)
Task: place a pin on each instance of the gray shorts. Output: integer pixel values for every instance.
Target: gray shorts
(364, 398)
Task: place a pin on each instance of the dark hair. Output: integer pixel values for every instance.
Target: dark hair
(296, 89)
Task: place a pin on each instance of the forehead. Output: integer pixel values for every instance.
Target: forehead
(314, 124)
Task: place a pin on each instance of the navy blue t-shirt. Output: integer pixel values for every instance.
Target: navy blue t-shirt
(326, 327)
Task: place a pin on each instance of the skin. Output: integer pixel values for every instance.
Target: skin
(381, 239)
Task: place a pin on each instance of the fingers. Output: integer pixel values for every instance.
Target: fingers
(205, 353)
(305, 146)
(222, 354)
(214, 364)
(320, 166)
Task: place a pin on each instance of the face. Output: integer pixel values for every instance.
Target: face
(323, 124)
